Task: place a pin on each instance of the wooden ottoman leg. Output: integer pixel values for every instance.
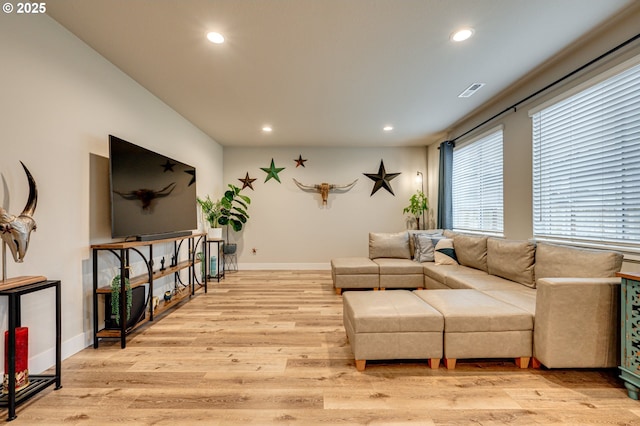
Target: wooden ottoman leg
(361, 364)
(338, 291)
(434, 363)
(450, 363)
(535, 363)
(523, 362)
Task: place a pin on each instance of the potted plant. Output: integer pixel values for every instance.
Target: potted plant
(418, 204)
(211, 211)
(233, 212)
(115, 298)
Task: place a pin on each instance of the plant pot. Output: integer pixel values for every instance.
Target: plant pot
(215, 233)
(230, 248)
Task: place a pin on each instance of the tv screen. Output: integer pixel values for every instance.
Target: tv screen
(152, 196)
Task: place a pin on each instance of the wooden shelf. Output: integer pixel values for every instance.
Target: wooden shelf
(162, 308)
(139, 280)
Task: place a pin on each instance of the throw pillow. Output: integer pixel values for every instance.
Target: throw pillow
(391, 245)
(424, 247)
(444, 253)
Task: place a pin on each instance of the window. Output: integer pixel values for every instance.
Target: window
(477, 185)
(586, 163)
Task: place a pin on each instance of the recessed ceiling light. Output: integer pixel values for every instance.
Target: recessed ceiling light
(216, 38)
(267, 129)
(387, 128)
(469, 91)
(462, 34)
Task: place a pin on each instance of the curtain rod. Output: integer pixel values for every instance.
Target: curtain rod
(548, 86)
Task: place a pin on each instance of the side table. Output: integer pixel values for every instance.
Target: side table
(219, 272)
(14, 289)
(630, 332)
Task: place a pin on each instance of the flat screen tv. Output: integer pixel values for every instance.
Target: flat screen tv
(152, 196)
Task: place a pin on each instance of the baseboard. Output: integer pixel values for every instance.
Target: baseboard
(47, 359)
(284, 266)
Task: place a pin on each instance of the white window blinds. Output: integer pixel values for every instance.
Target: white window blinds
(477, 185)
(586, 164)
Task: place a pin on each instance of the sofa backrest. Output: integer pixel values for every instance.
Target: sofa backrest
(471, 250)
(512, 259)
(390, 245)
(555, 261)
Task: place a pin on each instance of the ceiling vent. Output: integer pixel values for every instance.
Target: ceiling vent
(471, 90)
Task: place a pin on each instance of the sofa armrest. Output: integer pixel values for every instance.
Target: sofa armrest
(577, 322)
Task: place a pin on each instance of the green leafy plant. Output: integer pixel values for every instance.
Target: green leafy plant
(418, 204)
(115, 297)
(234, 208)
(211, 210)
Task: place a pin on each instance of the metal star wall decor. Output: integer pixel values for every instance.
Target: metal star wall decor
(247, 181)
(272, 171)
(381, 179)
(300, 161)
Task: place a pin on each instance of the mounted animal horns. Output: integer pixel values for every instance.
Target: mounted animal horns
(32, 201)
(15, 231)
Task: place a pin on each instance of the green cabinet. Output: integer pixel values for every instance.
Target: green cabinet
(630, 332)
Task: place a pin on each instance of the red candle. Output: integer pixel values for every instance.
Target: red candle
(22, 359)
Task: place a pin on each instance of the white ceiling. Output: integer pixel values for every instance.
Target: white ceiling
(328, 72)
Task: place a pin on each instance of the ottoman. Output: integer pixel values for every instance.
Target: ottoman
(478, 326)
(354, 272)
(393, 324)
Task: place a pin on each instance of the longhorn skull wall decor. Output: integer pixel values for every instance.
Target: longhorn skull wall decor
(16, 230)
(325, 188)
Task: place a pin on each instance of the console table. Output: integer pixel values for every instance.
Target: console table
(630, 332)
(14, 289)
(122, 251)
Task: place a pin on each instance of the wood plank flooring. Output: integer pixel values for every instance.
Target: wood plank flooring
(269, 348)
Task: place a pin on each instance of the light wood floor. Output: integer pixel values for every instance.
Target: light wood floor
(269, 348)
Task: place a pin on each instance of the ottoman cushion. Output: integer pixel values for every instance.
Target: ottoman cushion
(471, 310)
(390, 311)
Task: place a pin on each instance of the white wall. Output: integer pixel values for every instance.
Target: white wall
(59, 102)
(290, 228)
(518, 221)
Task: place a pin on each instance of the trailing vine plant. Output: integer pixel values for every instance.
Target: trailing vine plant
(115, 297)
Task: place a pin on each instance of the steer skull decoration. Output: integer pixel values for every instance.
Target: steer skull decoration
(325, 188)
(16, 230)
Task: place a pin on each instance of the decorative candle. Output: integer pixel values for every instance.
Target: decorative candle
(22, 359)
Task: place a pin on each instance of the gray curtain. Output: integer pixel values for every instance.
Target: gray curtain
(445, 210)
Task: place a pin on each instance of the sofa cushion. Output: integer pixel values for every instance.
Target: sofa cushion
(480, 282)
(354, 265)
(554, 261)
(393, 245)
(444, 252)
(512, 260)
(398, 266)
(522, 297)
(440, 273)
(471, 250)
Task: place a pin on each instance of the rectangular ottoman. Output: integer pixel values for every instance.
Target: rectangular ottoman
(478, 326)
(393, 324)
(354, 272)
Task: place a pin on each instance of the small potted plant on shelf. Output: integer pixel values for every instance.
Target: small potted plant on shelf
(418, 204)
(115, 298)
(211, 212)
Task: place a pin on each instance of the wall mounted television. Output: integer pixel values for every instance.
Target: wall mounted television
(152, 196)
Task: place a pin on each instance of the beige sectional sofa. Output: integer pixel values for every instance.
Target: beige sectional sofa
(571, 293)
